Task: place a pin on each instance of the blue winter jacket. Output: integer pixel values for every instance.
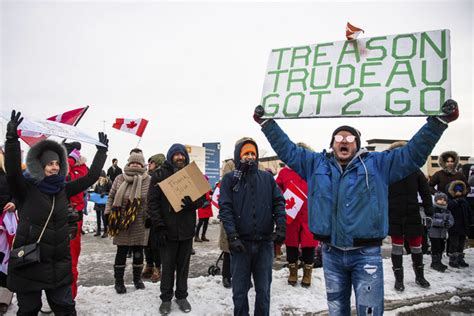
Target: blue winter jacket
(350, 208)
(250, 207)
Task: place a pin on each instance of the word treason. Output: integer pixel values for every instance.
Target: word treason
(407, 74)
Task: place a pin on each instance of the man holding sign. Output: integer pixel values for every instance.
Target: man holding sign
(174, 231)
(348, 202)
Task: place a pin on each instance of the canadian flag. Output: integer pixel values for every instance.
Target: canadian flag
(132, 126)
(352, 32)
(294, 200)
(215, 198)
(70, 118)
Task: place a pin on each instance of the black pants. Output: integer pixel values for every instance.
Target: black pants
(60, 300)
(100, 217)
(175, 257)
(226, 272)
(456, 243)
(437, 245)
(121, 256)
(152, 252)
(202, 222)
(307, 254)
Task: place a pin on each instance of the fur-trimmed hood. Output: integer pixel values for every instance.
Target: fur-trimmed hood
(444, 156)
(455, 183)
(33, 164)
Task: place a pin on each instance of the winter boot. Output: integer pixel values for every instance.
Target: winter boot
(307, 272)
(183, 305)
(293, 277)
(165, 308)
(397, 262)
(147, 272)
(226, 282)
(196, 238)
(203, 238)
(156, 276)
(137, 276)
(454, 260)
(118, 275)
(436, 263)
(417, 259)
(461, 262)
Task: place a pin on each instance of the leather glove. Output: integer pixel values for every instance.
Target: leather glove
(258, 113)
(12, 125)
(188, 204)
(450, 111)
(104, 140)
(236, 245)
(278, 236)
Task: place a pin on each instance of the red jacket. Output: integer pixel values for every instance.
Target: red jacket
(77, 170)
(297, 232)
(206, 212)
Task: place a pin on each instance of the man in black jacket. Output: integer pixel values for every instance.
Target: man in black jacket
(250, 205)
(114, 170)
(174, 230)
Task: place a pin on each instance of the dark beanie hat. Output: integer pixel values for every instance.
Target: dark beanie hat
(47, 156)
(349, 129)
(71, 146)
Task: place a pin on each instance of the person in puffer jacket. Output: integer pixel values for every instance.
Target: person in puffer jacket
(348, 202)
(441, 221)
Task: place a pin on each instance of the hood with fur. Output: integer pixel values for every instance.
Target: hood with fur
(33, 163)
(444, 156)
(455, 183)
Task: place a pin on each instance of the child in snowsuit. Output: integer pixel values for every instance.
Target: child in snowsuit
(461, 211)
(442, 220)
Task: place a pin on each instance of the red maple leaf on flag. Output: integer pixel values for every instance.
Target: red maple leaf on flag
(290, 203)
(131, 125)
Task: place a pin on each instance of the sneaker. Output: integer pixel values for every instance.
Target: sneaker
(165, 308)
(183, 305)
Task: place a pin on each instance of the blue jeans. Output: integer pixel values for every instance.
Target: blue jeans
(256, 261)
(360, 268)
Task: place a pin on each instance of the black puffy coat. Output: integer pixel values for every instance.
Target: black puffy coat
(460, 209)
(5, 194)
(34, 206)
(403, 210)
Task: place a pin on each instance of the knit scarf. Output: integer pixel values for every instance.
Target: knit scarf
(122, 217)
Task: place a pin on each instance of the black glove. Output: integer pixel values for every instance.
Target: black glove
(12, 125)
(104, 140)
(162, 236)
(102, 195)
(278, 236)
(450, 111)
(188, 204)
(446, 224)
(258, 113)
(236, 245)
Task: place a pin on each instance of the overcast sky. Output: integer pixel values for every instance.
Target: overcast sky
(195, 70)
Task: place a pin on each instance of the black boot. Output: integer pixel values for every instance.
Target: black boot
(461, 262)
(436, 263)
(118, 275)
(137, 276)
(417, 259)
(454, 260)
(397, 261)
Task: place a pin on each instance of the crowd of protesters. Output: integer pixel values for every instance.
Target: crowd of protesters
(353, 199)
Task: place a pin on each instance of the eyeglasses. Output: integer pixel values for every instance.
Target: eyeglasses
(349, 138)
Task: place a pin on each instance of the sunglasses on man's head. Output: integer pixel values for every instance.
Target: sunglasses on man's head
(349, 138)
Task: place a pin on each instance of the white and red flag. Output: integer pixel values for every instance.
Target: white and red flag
(132, 126)
(70, 118)
(352, 32)
(294, 200)
(215, 198)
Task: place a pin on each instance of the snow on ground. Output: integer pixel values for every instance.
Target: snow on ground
(208, 297)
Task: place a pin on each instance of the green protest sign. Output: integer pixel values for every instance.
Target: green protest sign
(397, 75)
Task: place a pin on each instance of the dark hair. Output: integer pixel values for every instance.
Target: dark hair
(136, 150)
(114, 160)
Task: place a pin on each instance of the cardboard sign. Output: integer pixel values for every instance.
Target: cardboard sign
(187, 181)
(397, 75)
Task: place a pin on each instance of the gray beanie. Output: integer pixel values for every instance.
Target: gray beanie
(136, 157)
(47, 156)
(438, 196)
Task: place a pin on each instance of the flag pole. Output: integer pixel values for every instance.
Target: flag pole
(138, 142)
